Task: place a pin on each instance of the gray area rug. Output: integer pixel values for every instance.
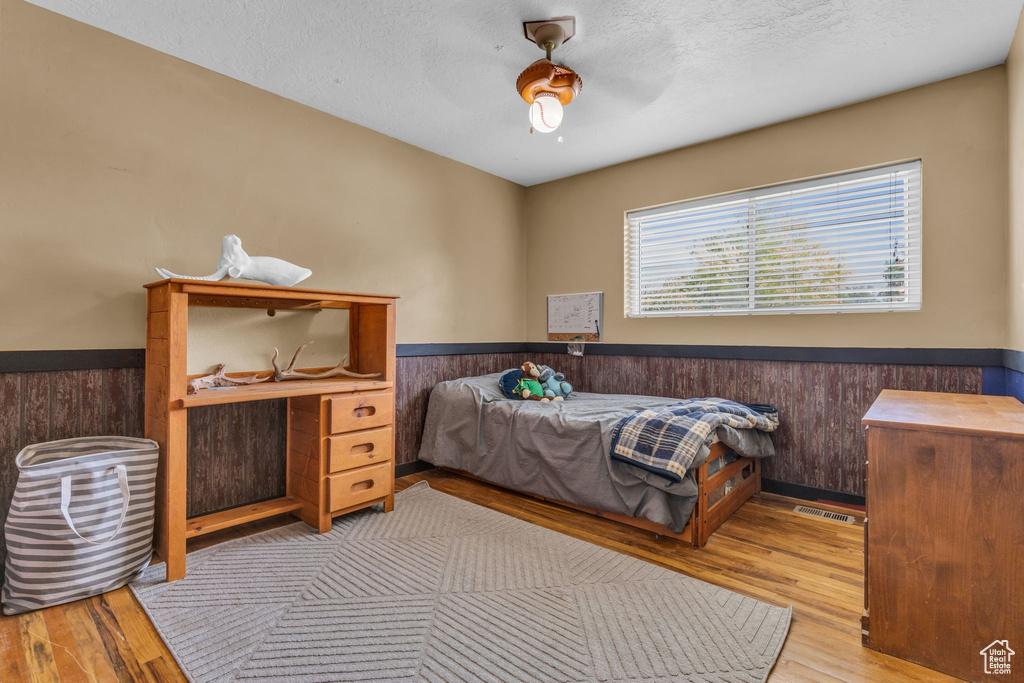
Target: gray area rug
(445, 590)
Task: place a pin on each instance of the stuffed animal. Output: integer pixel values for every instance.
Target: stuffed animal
(529, 386)
(508, 383)
(554, 383)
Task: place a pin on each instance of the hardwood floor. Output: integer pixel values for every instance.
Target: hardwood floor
(765, 551)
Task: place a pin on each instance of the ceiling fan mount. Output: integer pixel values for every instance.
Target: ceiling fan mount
(549, 34)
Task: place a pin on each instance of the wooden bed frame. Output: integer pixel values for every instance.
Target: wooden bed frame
(705, 518)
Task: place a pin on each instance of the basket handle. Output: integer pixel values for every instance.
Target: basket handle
(65, 502)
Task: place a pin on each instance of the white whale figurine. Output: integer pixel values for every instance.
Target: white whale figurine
(235, 262)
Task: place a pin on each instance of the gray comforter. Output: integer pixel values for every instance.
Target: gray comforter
(560, 450)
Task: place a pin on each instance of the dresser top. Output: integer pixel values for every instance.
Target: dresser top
(959, 413)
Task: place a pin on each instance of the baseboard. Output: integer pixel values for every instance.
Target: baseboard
(785, 488)
(407, 468)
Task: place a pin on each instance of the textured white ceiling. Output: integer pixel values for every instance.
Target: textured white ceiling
(657, 74)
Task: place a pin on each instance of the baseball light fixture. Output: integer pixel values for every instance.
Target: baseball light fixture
(545, 86)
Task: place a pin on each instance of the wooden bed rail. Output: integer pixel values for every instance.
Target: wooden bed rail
(711, 516)
(704, 519)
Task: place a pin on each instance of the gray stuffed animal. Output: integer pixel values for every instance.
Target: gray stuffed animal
(553, 382)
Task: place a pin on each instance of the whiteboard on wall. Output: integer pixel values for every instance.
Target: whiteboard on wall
(575, 317)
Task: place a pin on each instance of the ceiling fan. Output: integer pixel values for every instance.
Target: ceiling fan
(548, 87)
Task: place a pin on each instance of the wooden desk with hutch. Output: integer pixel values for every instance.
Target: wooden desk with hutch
(340, 438)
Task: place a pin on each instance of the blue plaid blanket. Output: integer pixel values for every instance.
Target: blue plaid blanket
(666, 441)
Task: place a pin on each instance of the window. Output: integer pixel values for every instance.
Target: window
(848, 242)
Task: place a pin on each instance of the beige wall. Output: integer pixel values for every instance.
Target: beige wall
(115, 158)
(957, 127)
(1015, 241)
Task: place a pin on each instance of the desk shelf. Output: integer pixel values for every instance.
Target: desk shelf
(286, 389)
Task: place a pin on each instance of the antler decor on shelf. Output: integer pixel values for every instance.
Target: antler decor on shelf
(337, 371)
(219, 379)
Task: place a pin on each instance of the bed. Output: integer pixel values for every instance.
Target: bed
(559, 451)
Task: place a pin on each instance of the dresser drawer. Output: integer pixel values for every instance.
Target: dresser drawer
(353, 487)
(361, 411)
(346, 451)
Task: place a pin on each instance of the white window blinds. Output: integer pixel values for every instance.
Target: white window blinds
(848, 242)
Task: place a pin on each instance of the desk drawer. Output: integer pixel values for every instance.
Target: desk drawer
(346, 451)
(353, 487)
(361, 411)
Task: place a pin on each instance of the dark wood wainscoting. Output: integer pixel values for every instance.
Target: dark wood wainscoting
(46, 406)
(236, 451)
(417, 375)
(235, 454)
(820, 443)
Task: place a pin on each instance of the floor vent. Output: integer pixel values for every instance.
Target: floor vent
(824, 514)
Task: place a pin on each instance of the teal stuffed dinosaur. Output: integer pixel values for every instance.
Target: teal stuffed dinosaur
(555, 386)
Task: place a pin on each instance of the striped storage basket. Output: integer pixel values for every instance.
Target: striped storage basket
(81, 521)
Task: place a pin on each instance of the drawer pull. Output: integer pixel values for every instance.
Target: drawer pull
(359, 412)
(361, 486)
(349, 451)
(353, 487)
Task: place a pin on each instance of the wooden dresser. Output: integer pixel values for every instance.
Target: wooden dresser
(944, 551)
(340, 444)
